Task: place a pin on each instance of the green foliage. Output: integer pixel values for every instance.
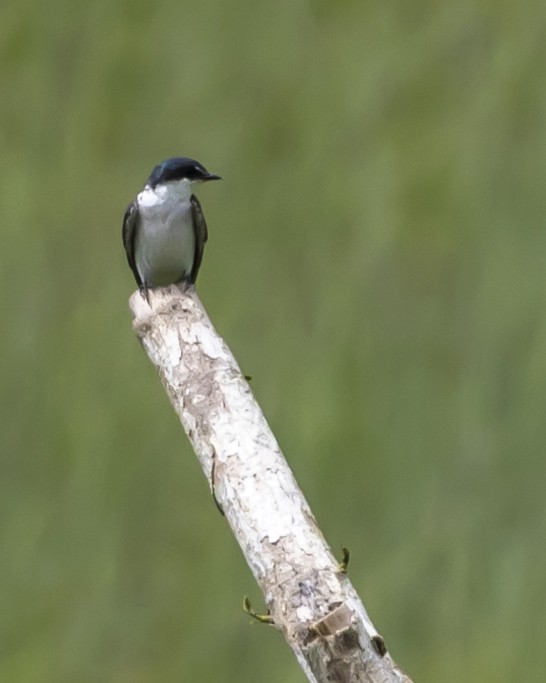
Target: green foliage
(376, 263)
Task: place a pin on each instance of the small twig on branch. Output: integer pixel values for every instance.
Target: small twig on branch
(261, 618)
(343, 566)
(307, 592)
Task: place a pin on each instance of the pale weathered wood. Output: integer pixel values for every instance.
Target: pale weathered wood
(310, 600)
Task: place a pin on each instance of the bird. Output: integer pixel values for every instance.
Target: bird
(164, 229)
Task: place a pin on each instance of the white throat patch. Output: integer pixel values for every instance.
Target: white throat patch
(174, 192)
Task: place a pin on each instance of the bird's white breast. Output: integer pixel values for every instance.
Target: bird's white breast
(165, 238)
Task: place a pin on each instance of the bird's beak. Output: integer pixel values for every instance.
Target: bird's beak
(212, 176)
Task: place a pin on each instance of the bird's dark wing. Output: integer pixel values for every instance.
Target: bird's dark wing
(128, 234)
(201, 235)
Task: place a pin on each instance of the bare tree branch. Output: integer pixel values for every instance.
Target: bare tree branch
(309, 596)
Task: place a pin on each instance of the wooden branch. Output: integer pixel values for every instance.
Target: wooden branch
(308, 594)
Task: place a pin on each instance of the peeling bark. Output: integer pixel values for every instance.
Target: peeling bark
(310, 600)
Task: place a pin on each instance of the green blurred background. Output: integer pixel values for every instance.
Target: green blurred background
(376, 262)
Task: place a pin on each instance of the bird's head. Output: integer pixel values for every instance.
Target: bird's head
(180, 168)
